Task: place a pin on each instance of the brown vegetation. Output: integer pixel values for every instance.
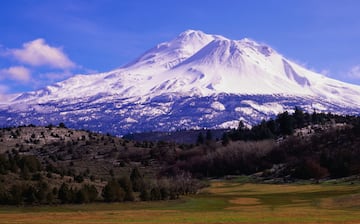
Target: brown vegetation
(54, 164)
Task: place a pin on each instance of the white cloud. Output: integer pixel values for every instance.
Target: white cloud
(19, 73)
(39, 53)
(354, 72)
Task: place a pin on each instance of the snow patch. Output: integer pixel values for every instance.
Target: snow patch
(130, 120)
(318, 107)
(268, 108)
(245, 110)
(218, 106)
(228, 124)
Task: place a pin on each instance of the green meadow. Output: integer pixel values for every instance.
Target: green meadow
(222, 202)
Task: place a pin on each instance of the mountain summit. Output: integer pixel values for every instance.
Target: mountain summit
(196, 80)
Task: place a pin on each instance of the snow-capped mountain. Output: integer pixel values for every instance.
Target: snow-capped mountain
(196, 80)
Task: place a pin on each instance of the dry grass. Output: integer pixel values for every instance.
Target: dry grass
(223, 202)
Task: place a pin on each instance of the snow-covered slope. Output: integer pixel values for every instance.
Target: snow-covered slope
(195, 80)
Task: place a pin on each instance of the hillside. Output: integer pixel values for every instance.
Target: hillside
(36, 162)
(85, 164)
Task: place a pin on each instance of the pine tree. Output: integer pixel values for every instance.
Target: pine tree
(145, 194)
(208, 135)
(299, 117)
(136, 179)
(200, 139)
(286, 123)
(125, 183)
(64, 193)
(113, 192)
(225, 140)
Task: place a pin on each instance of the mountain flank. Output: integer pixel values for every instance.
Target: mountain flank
(194, 81)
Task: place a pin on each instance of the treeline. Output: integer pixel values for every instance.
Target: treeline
(33, 185)
(325, 150)
(41, 192)
(334, 153)
(285, 124)
(235, 159)
(123, 189)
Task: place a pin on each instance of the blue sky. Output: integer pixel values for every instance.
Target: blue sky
(42, 42)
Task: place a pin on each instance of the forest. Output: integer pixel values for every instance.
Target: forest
(58, 165)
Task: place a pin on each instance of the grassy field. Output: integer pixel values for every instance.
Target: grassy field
(222, 202)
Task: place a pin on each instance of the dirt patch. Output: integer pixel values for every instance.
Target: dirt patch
(245, 201)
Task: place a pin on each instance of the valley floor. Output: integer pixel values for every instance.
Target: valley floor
(223, 202)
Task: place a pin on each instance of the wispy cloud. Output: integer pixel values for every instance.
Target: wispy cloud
(55, 76)
(354, 72)
(39, 53)
(3, 89)
(325, 72)
(18, 73)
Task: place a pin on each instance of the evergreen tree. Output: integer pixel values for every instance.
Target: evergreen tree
(155, 194)
(30, 195)
(65, 194)
(315, 119)
(16, 195)
(62, 125)
(145, 194)
(125, 183)
(31, 162)
(271, 124)
(208, 136)
(136, 179)
(165, 193)
(113, 192)
(241, 126)
(299, 117)
(88, 193)
(286, 123)
(225, 140)
(200, 139)
(261, 131)
(4, 164)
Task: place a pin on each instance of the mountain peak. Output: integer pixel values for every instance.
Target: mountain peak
(169, 54)
(192, 32)
(196, 35)
(261, 47)
(197, 61)
(194, 80)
